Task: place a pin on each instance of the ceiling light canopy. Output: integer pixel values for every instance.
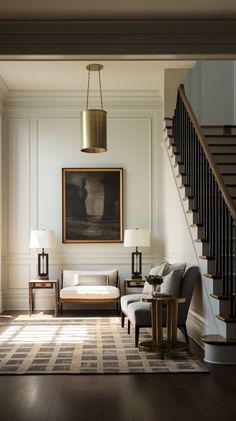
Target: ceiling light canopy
(94, 121)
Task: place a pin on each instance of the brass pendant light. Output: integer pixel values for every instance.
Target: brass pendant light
(93, 121)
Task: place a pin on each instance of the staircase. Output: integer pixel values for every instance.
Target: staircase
(204, 164)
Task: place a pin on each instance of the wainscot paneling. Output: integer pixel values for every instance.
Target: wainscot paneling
(18, 185)
(18, 275)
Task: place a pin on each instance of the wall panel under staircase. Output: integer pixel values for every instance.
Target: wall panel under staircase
(179, 246)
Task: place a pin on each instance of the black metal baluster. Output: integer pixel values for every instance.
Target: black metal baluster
(221, 231)
(226, 251)
(212, 217)
(207, 202)
(232, 299)
(223, 251)
(216, 228)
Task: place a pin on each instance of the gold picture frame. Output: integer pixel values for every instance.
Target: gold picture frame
(92, 205)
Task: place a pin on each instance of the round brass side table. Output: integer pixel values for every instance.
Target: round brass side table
(160, 343)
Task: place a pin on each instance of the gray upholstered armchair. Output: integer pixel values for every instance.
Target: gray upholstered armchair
(138, 313)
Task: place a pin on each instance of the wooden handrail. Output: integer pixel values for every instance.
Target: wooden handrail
(227, 198)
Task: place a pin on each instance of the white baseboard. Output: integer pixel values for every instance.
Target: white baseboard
(197, 327)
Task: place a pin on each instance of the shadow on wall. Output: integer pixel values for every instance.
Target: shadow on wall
(197, 299)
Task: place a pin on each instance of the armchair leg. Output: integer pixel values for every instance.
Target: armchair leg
(136, 336)
(122, 319)
(60, 307)
(128, 326)
(183, 328)
(117, 307)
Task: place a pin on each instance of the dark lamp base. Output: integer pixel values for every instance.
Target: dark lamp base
(136, 276)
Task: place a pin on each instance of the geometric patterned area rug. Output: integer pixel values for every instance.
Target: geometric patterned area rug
(74, 345)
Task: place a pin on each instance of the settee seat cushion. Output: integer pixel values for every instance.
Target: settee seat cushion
(95, 292)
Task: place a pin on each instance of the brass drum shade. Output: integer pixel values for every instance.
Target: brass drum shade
(94, 131)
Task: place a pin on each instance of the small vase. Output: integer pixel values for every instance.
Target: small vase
(155, 291)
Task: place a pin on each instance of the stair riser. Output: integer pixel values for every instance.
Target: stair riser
(194, 217)
(211, 266)
(219, 306)
(217, 354)
(223, 148)
(200, 232)
(221, 159)
(219, 141)
(227, 330)
(232, 191)
(216, 289)
(217, 130)
(205, 249)
(229, 178)
(227, 169)
(191, 203)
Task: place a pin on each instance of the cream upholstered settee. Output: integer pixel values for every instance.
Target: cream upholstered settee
(87, 286)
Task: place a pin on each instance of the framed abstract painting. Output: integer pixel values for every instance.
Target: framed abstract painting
(92, 205)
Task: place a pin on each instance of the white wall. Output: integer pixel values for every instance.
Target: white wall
(42, 135)
(210, 86)
(172, 79)
(3, 92)
(0, 204)
(178, 242)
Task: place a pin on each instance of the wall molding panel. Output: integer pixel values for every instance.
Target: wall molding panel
(140, 99)
(18, 184)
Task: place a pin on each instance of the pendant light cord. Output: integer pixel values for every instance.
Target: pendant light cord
(100, 88)
(88, 89)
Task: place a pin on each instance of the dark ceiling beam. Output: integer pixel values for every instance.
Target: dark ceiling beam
(143, 37)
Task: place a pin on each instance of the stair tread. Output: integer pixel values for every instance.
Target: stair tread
(227, 142)
(191, 210)
(187, 198)
(226, 163)
(218, 340)
(226, 318)
(220, 135)
(207, 257)
(212, 276)
(221, 126)
(220, 297)
(181, 175)
(188, 185)
(224, 153)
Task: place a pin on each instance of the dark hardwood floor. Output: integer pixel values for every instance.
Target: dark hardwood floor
(133, 397)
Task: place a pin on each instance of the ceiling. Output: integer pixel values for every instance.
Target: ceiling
(120, 75)
(111, 9)
(72, 75)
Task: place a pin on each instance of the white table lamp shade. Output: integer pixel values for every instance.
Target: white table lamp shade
(137, 238)
(42, 239)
